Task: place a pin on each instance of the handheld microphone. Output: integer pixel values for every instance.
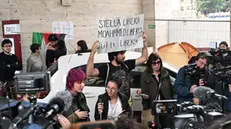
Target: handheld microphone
(100, 112)
(140, 94)
(151, 125)
(56, 106)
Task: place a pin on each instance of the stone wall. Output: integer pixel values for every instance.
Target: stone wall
(38, 15)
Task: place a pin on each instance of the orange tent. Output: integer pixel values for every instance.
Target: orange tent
(177, 54)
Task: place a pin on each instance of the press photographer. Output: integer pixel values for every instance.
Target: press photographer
(190, 77)
(220, 77)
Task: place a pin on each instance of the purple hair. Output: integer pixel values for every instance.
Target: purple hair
(73, 76)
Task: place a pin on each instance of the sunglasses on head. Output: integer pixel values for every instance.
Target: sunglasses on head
(156, 62)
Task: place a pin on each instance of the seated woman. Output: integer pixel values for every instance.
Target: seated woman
(75, 104)
(112, 104)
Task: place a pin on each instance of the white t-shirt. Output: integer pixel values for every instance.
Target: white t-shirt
(114, 110)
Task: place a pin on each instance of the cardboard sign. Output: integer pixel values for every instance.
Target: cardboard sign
(64, 28)
(120, 33)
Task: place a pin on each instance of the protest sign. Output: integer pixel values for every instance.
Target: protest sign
(120, 33)
(64, 28)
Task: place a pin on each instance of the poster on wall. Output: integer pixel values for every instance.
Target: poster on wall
(117, 34)
(64, 28)
(11, 29)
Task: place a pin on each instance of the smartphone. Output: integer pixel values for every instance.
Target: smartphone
(106, 124)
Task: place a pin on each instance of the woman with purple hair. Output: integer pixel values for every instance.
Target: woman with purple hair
(76, 109)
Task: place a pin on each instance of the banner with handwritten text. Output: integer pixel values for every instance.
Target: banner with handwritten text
(120, 33)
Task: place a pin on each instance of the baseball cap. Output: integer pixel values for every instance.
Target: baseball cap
(52, 37)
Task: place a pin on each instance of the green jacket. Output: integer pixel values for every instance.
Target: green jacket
(78, 102)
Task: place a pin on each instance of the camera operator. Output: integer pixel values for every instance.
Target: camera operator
(187, 81)
(218, 80)
(223, 45)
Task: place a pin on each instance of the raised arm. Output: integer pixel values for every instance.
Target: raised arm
(91, 71)
(144, 56)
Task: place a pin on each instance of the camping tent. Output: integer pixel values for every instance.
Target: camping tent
(177, 54)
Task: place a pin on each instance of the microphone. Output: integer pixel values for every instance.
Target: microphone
(151, 125)
(100, 112)
(66, 97)
(25, 113)
(56, 106)
(140, 94)
(201, 91)
(207, 93)
(220, 97)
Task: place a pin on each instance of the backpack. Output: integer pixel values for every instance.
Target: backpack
(126, 79)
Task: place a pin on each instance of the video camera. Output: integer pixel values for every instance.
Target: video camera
(32, 83)
(195, 72)
(220, 56)
(192, 69)
(163, 107)
(192, 116)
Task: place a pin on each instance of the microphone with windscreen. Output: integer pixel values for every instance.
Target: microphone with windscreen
(56, 106)
(205, 93)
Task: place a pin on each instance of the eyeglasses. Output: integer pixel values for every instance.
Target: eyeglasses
(112, 89)
(156, 62)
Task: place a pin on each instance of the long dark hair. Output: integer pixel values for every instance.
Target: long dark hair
(153, 57)
(61, 45)
(83, 45)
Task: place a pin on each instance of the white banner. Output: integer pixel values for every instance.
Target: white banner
(64, 28)
(120, 33)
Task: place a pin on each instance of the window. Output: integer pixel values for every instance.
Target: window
(93, 81)
(182, 0)
(53, 68)
(182, 8)
(135, 75)
(191, 1)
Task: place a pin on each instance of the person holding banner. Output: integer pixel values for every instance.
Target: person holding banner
(117, 63)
